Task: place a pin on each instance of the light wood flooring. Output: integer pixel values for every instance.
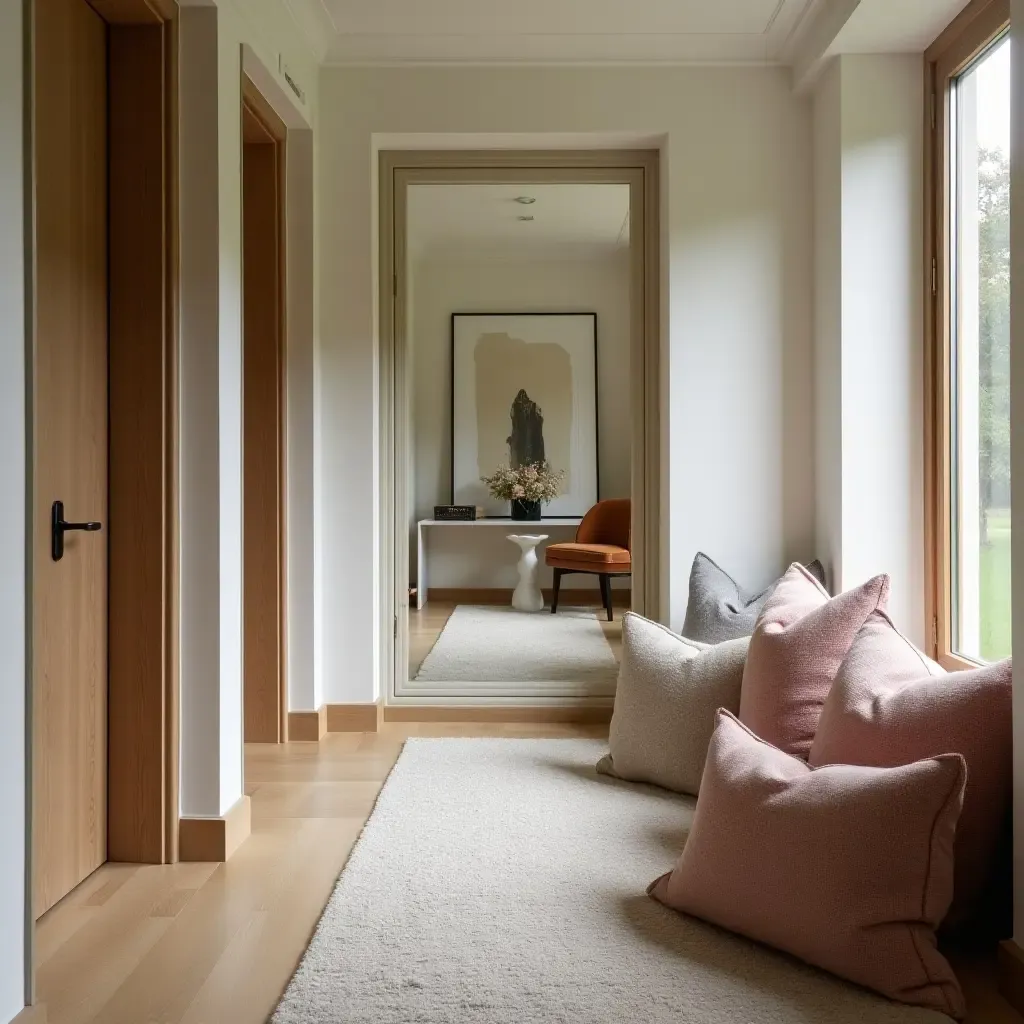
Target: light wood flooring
(425, 627)
(217, 943)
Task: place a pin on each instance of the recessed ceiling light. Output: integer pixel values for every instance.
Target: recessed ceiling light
(525, 200)
(527, 217)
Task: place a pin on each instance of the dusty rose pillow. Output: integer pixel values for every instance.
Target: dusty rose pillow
(891, 705)
(799, 642)
(848, 868)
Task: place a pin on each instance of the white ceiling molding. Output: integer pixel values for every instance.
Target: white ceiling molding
(315, 24)
(802, 34)
(549, 31)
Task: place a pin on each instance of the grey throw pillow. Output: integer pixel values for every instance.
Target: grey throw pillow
(669, 691)
(719, 609)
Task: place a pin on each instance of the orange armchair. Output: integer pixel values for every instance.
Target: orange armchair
(601, 548)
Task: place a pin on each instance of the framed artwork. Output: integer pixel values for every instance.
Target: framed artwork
(524, 390)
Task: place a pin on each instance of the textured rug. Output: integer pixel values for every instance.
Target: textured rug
(502, 882)
(495, 643)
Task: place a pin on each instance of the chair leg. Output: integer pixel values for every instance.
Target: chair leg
(606, 593)
(554, 596)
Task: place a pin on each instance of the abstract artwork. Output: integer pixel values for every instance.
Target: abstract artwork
(524, 390)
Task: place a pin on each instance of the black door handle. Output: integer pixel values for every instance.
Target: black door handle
(58, 527)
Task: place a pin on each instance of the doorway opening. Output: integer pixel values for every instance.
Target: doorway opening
(520, 340)
(104, 697)
(264, 140)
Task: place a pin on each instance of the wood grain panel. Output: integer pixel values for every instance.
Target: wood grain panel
(215, 839)
(139, 529)
(70, 596)
(353, 717)
(253, 129)
(262, 462)
(307, 726)
(127, 12)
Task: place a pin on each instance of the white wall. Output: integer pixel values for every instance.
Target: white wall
(475, 284)
(210, 73)
(883, 329)
(739, 448)
(869, 116)
(14, 537)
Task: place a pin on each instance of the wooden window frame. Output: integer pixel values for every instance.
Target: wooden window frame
(966, 37)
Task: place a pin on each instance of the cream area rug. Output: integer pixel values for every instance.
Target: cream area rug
(502, 882)
(495, 643)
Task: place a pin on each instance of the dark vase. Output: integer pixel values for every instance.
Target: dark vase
(525, 511)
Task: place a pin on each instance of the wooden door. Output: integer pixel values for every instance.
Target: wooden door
(70, 595)
(263, 530)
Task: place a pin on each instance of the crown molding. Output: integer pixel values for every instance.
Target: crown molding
(315, 25)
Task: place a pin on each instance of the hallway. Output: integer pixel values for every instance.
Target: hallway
(217, 943)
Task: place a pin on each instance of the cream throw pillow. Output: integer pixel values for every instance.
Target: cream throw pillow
(669, 691)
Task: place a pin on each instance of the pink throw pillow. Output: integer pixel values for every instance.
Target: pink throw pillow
(891, 705)
(800, 640)
(848, 868)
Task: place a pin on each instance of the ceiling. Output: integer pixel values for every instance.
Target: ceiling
(569, 221)
(586, 31)
(906, 26)
(358, 32)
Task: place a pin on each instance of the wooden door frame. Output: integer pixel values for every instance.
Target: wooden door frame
(256, 104)
(959, 44)
(397, 170)
(142, 740)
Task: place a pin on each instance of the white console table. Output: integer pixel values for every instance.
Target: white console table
(561, 529)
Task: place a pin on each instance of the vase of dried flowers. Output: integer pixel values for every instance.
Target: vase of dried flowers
(527, 488)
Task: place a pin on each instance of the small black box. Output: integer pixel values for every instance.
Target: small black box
(458, 513)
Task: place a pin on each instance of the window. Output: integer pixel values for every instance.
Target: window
(970, 429)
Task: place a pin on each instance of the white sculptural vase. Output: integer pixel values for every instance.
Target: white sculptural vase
(527, 596)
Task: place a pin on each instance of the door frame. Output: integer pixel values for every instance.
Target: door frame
(142, 739)
(261, 109)
(397, 171)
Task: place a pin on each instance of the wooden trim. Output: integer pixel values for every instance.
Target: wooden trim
(1010, 973)
(585, 713)
(397, 170)
(263, 275)
(259, 106)
(142, 775)
(979, 20)
(129, 12)
(956, 663)
(215, 839)
(963, 40)
(569, 595)
(307, 726)
(143, 735)
(353, 717)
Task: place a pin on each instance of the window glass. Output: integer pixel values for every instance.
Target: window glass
(980, 349)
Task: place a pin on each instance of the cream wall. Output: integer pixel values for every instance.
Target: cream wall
(210, 73)
(476, 284)
(738, 448)
(869, 344)
(14, 537)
